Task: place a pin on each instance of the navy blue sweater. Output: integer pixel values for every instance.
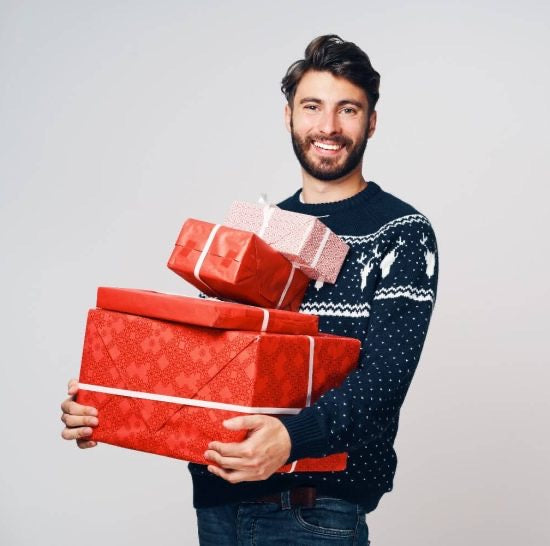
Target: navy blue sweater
(384, 296)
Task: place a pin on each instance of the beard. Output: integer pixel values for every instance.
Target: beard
(327, 168)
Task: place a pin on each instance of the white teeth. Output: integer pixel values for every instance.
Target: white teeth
(325, 146)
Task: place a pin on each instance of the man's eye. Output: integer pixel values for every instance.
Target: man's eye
(349, 111)
(310, 107)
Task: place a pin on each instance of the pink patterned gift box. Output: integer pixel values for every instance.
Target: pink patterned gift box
(301, 238)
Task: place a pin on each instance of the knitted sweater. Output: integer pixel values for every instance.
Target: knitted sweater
(384, 296)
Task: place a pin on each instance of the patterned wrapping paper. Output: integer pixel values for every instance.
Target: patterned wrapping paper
(236, 265)
(205, 312)
(302, 238)
(229, 367)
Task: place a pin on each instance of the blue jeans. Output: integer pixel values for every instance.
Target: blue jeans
(330, 521)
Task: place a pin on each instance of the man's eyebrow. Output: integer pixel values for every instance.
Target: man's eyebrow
(351, 101)
(339, 103)
(310, 99)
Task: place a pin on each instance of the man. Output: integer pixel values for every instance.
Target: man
(384, 296)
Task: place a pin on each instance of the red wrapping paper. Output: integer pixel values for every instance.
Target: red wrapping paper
(238, 266)
(205, 312)
(231, 367)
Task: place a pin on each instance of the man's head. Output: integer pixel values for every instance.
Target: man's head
(331, 96)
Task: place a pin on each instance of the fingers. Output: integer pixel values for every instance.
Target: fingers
(232, 476)
(71, 407)
(77, 433)
(72, 387)
(79, 420)
(231, 449)
(229, 463)
(85, 444)
(248, 422)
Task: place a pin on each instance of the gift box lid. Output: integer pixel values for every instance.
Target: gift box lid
(211, 313)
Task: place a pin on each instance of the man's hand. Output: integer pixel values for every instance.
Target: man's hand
(78, 419)
(266, 448)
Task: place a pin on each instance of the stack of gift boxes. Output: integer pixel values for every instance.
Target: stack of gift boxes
(165, 371)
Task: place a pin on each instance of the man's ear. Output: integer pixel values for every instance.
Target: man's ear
(288, 116)
(372, 123)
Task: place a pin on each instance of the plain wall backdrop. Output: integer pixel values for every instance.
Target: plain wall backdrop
(119, 119)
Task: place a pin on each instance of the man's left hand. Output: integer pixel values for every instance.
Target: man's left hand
(266, 448)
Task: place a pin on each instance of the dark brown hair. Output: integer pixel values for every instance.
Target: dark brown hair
(330, 53)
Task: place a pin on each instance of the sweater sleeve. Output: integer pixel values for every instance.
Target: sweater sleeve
(359, 410)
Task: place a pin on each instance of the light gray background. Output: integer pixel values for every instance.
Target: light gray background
(118, 120)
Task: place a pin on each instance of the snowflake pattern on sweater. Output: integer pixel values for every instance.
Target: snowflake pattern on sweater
(384, 296)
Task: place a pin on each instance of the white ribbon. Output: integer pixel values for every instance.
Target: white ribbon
(207, 403)
(310, 369)
(319, 283)
(268, 211)
(265, 320)
(307, 233)
(186, 401)
(321, 248)
(204, 252)
(288, 282)
(310, 383)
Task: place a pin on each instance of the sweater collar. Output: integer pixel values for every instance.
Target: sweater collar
(334, 207)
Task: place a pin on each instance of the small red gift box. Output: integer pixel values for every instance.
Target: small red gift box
(205, 312)
(166, 388)
(232, 264)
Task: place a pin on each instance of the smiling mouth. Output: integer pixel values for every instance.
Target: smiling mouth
(327, 147)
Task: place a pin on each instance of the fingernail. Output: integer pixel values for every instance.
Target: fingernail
(87, 431)
(93, 412)
(94, 421)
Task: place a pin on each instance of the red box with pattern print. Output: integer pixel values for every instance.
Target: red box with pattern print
(229, 372)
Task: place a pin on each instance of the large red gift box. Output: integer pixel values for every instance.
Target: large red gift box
(232, 264)
(205, 312)
(165, 387)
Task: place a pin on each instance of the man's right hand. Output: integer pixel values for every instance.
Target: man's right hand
(78, 419)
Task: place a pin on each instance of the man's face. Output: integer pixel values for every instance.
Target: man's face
(329, 125)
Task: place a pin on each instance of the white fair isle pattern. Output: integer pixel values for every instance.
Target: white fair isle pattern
(404, 220)
(429, 256)
(390, 257)
(396, 261)
(367, 267)
(352, 310)
(416, 294)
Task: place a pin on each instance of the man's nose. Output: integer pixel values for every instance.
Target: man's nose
(329, 123)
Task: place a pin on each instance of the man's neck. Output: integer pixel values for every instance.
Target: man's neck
(319, 191)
